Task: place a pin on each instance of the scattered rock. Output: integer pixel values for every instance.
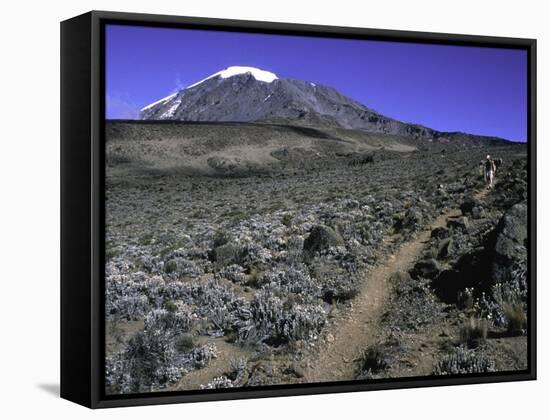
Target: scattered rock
(427, 269)
(510, 245)
(456, 187)
(412, 220)
(477, 212)
(440, 233)
(460, 223)
(468, 205)
(322, 237)
(444, 246)
(298, 370)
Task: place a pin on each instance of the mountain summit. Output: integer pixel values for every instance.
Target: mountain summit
(260, 75)
(249, 94)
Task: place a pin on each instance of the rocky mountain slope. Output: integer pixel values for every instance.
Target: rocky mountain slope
(247, 94)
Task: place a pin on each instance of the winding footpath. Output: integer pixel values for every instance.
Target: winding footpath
(351, 335)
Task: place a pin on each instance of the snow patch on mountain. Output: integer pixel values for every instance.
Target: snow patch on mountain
(258, 74)
(163, 100)
(171, 111)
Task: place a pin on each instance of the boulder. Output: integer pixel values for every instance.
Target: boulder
(448, 285)
(460, 223)
(440, 233)
(512, 231)
(477, 212)
(322, 237)
(510, 244)
(456, 187)
(413, 219)
(444, 247)
(468, 205)
(428, 269)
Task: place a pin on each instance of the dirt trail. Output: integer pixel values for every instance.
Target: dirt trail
(220, 366)
(351, 335)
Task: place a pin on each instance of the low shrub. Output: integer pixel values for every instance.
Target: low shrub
(474, 332)
(516, 318)
(237, 370)
(287, 220)
(255, 278)
(372, 363)
(185, 342)
(274, 323)
(220, 238)
(170, 266)
(339, 287)
(463, 361)
(157, 356)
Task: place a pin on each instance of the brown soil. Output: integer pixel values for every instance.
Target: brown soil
(118, 333)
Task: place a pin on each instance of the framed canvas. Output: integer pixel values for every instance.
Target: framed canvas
(254, 209)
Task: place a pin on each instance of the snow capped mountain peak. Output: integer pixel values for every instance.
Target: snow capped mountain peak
(258, 74)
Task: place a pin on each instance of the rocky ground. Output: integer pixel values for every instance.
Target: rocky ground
(226, 269)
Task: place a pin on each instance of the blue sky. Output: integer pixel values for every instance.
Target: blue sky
(449, 88)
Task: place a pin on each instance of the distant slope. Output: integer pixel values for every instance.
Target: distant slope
(205, 148)
(247, 94)
(233, 148)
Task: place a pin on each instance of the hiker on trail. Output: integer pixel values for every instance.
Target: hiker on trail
(490, 168)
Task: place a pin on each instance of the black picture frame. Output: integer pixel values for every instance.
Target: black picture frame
(82, 207)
